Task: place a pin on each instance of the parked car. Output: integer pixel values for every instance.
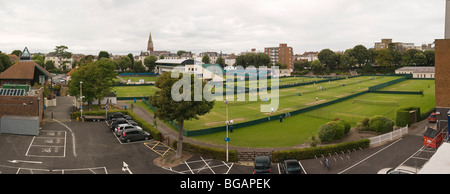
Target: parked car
(398, 170)
(128, 117)
(119, 129)
(432, 118)
(263, 165)
(129, 135)
(115, 115)
(117, 121)
(291, 166)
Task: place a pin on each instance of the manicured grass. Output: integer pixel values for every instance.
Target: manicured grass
(298, 129)
(134, 91)
(243, 111)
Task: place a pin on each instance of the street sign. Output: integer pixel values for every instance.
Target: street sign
(227, 139)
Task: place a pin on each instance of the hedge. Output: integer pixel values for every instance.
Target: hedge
(210, 152)
(333, 130)
(141, 122)
(403, 117)
(313, 152)
(381, 124)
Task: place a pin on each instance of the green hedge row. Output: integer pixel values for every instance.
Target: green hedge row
(311, 153)
(156, 135)
(403, 117)
(210, 152)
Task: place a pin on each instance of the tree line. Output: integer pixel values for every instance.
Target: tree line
(367, 60)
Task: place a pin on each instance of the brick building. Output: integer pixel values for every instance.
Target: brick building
(282, 54)
(22, 110)
(442, 65)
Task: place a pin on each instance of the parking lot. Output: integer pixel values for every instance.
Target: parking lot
(91, 148)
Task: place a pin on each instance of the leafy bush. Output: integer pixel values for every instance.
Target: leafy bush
(381, 124)
(333, 130)
(326, 133)
(346, 124)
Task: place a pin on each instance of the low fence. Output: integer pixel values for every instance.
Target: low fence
(378, 140)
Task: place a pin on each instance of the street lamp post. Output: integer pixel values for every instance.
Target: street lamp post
(227, 139)
(81, 99)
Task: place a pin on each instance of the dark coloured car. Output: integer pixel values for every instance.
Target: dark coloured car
(291, 166)
(117, 121)
(263, 165)
(130, 135)
(115, 115)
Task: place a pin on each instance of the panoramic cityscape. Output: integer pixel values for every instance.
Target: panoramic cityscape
(94, 88)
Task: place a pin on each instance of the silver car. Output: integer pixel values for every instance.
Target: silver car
(119, 129)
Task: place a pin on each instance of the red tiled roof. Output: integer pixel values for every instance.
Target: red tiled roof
(23, 70)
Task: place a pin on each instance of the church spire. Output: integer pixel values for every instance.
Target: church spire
(150, 43)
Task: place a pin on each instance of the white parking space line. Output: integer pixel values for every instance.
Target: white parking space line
(208, 166)
(304, 170)
(48, 151)
(370, 156)
(189, 167)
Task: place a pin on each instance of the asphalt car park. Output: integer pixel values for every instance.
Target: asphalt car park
(92, 148)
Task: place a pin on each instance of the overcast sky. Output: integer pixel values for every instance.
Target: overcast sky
(231, 26)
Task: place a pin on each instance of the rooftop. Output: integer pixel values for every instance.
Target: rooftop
(417, 69)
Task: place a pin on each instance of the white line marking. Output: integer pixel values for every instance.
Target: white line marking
(65, 137)
(229, 168)
(302, 167)
(26, 154)
(208, 166)
(189, 167)
(370, 156)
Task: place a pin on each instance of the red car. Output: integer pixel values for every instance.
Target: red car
(432, 118)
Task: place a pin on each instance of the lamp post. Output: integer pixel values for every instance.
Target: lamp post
(227, 123)
(81, 98)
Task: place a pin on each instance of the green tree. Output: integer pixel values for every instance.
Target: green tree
(262, 59)
(138, 67)
(168, 108)
(317, 67)
(206, 59)
(430, 54)
(240, 61)
(221, 62)
(328, 58)
(409, 57)
(97, 78)
(347, 61)
(17, 53)
(150, 62)
(124, 63)
(361, 54)
(61, 51)
(180, 52)
(384, 58)
(130, 55)
(103, 54)
(420, 59)
(39, 59)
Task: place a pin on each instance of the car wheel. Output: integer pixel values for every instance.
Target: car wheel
(128, 140)
(146, 138)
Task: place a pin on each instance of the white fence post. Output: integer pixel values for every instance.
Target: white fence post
(388, 136)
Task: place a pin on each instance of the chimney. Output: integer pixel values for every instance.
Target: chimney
(447, 20)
